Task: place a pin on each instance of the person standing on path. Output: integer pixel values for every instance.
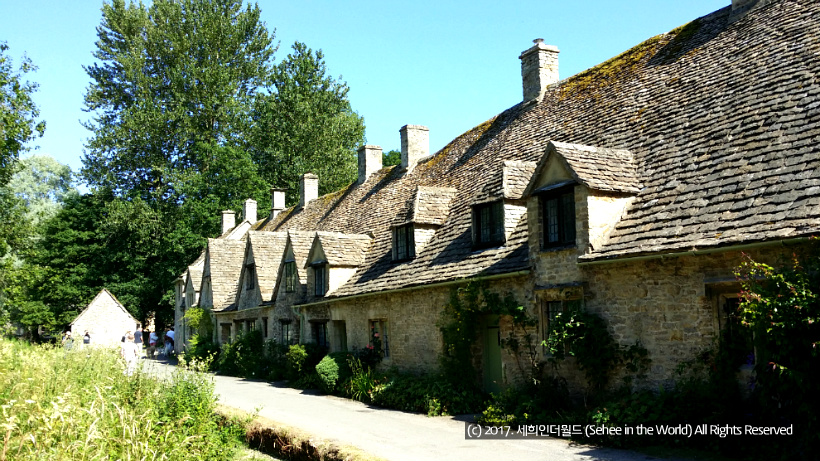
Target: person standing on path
(152, 344)
(129, 353)
(138, 340)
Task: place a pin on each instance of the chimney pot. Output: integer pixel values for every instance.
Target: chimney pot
(308, 188)
(249, 210)
(539, 69)
(277, 198)
(370, 161)
(415, 145)
(228, 221)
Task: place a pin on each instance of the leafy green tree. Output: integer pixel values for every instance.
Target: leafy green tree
(170, 101)
(392, 157)
(306, 124)
(171, 95)
(18, 113)
(41, 183)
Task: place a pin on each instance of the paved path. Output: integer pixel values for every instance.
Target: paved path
(393, 435)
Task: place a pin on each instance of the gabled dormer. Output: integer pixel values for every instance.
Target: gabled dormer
(578, 194)
(333, 259)
(425, 212)
(220, 274)
(291, 280)
(498, 207)
(260, 268)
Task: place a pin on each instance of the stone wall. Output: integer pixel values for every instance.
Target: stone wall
(105, 321)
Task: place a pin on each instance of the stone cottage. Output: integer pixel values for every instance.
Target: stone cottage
(105, 319)
(633, 189)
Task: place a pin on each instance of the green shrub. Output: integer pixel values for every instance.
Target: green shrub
(295, 360)
(433, 395)
(244, 357)
(333, 371)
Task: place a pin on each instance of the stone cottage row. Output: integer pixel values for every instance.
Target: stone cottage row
(633, 189)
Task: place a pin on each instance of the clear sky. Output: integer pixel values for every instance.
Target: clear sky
(446, 64)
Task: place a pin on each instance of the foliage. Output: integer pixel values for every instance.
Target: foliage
(782, 308)
(306, 124)
(172, 87)
(392, 157)
(199, 320)
(301, 361)
(459, 326)
(78, 405)
(42, 183)
(333, 371)
(18, 113)
(244, 356)
(362, 381)
(433, 395)
(585, 336)
(534, 402)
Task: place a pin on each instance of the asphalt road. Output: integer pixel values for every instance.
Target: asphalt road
(390, 434)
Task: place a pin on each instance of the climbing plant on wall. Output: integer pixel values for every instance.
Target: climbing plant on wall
(459, 326)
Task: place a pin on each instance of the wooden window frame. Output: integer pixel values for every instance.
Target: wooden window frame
(488, 224)
(320, 289)
(250, 276)
(404, 244)
(382, 327)
(558, 218)
(290, 276)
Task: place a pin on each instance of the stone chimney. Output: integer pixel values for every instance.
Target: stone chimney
(249, 210)
(539, 69)
(370, 161)
(308, 188)
(415, 145)
(228, 221)
(741, 7)
(277, 199)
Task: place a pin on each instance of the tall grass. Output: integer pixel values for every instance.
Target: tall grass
(78, 405)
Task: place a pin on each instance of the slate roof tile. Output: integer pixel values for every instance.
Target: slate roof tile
(691, 122)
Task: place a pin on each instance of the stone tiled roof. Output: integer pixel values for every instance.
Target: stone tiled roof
(225, 259)
(301, 242)
(195, 272)
(429, 205)
(342, 249)
(612, 170)
(267, 248)
(722, 121)
(517, 176)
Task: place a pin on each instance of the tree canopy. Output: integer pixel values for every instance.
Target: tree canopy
(306, 124)
(189, 116)
(18, 113)
(170, 97)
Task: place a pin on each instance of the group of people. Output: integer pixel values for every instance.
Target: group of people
(68, 341)
(132, 345)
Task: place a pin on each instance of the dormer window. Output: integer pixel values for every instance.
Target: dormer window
(404, 247)
(558, 214)
(320, 279)
(488, 224)
(250, 276)
(290, 276)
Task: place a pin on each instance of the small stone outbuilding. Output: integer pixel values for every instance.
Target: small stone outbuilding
(105, 319)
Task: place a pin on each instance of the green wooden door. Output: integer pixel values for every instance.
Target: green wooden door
(492, 354)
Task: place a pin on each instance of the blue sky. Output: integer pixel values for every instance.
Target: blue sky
(449, 65)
